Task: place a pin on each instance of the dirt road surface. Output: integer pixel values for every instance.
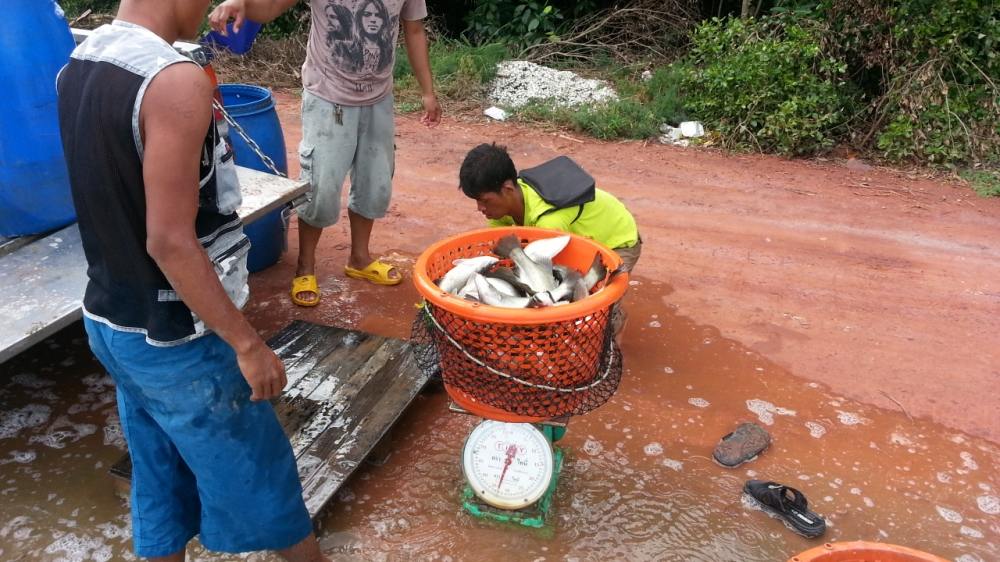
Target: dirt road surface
(883, 287)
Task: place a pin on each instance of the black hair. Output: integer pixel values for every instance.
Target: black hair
(485, 169)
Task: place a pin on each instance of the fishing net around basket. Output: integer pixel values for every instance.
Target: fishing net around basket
(543, 370)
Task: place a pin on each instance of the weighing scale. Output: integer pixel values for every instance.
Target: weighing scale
(511, 470)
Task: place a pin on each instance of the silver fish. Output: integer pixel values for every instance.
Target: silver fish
(566, 289)
(546, 248)
(537, 276)
(596, 273)
(507, 275)
(489, 295)
(458, 276)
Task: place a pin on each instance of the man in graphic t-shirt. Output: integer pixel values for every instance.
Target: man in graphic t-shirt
(347, 118)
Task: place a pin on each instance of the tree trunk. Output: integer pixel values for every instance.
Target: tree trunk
(745, 11)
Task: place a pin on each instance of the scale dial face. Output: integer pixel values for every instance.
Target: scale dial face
(508, 465)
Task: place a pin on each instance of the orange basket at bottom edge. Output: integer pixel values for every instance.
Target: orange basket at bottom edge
(863, 551)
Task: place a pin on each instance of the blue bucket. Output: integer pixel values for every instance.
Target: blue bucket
(35, 43)
(253, 108)
(237, 43)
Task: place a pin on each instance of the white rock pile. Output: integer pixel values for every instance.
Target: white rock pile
(520, 82)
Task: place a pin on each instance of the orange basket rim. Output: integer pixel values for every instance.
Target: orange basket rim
(825, 550)
(605, 297)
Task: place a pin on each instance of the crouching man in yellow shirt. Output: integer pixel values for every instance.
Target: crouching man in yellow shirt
(557, 194)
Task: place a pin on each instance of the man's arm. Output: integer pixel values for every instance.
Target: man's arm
(260, 11)
(416, 50)
(174, 118)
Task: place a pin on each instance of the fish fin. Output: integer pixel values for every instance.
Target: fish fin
(598, 267)
(506, 245)
(617, 271)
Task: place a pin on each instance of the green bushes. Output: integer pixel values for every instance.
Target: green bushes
(941, 102)
(765, 85)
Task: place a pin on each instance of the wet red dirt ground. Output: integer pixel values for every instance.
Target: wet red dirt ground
(851, 311)
(884, 288)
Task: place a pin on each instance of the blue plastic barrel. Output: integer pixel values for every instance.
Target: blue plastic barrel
(35, 43)
(253, 108)
(237, 43)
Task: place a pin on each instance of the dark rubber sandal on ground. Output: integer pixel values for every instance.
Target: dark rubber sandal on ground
(742, 445)
(787, 504)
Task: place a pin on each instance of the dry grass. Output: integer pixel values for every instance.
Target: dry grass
(275, 63)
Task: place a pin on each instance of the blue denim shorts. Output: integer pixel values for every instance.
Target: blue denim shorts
(205, 459)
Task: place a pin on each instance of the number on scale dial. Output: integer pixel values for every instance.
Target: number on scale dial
(508, 465)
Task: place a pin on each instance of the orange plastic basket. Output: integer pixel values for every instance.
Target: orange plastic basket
(862, 551)
(520, 364)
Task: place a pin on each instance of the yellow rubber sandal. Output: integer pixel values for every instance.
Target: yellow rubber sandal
(305, 284)
(377, 272)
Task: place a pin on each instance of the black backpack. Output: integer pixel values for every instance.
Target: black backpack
(562, 183)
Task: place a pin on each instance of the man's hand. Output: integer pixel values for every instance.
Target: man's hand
(432, 111)
(235, 10)
(263, 371)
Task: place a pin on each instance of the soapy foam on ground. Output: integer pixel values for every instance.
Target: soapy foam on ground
(816, 429)
(699, 402)
(30, 416)
(653, 449)
(766, 411)
(850, 418)
(949, 515)
(989, 504)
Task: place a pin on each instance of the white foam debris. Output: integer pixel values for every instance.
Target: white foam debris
(850, 418)
(655, 324)
(900, 439)
(957, 438)
(30, 416)
(699, 402)
(673, 464)
(970, 532)
(592, 448)
(766, 411)
(76, 548)
(816, 429)
(30, 380)
(856, 491)
(20, 457)
(985, 487)
(968, 558)
(868, 501)
(989, 504)
(62, 431)
(949, 515)
(653, 449)
(943, 477)
(518, 83)
(967, 461)
(668, 370)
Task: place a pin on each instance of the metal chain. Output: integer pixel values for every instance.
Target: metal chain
(508, 376)
(246, 138)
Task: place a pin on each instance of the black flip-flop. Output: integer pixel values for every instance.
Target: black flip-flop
(787, 504)
(743, 444)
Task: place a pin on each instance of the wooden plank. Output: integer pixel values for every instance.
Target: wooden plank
(42, 282)
(350, 389)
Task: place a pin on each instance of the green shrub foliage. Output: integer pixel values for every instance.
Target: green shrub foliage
(766, 84)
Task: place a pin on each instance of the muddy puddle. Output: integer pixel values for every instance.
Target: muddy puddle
(639, 482)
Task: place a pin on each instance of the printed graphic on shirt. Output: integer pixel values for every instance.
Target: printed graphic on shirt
(361, 40)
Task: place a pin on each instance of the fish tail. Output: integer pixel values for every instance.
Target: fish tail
(506, 245)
